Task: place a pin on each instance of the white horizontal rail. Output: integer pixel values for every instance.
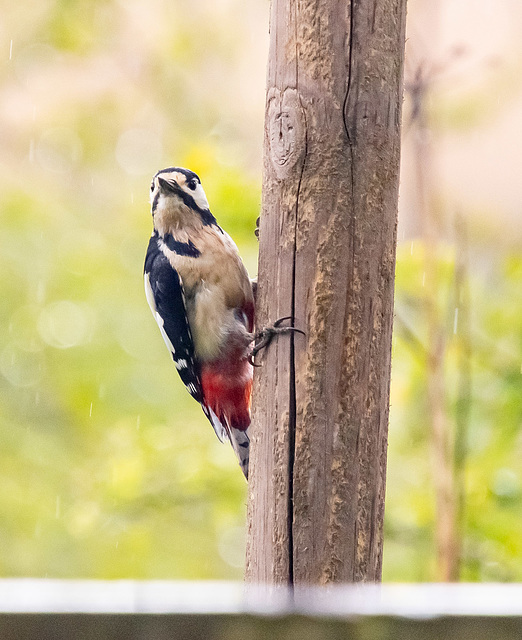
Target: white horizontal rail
(27, 595)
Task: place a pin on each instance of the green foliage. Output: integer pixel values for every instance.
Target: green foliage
(493, 473)
(109, 469)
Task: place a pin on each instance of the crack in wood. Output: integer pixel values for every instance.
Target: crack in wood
(329, 204)
(292, 394)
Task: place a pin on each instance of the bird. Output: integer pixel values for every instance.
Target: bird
(202, 298)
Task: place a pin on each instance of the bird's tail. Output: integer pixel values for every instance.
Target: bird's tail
(239, 438)
(226, 402)
(240, 442)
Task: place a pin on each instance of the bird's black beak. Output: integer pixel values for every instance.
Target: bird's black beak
(168, 187)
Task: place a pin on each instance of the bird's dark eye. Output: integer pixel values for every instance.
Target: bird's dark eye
(192, 185)
(152, 186)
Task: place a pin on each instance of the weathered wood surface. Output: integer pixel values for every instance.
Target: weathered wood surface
(327, 257)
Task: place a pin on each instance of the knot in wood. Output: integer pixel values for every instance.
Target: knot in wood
(286, 130)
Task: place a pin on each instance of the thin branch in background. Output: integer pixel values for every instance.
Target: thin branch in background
(442, 441)
(408, 334)
(462, 330)
(421, 80)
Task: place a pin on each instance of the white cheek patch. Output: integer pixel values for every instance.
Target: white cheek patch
(199, 197)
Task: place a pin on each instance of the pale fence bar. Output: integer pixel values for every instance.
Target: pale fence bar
(161, 610)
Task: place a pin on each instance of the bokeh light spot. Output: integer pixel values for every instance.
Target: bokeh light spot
(64, 324)
(59, 149)
(138, 150)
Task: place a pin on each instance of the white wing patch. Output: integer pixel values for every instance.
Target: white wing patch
(169, 344)
(149, 294)
(157, 317)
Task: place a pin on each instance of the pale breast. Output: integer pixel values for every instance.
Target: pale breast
(216, 284)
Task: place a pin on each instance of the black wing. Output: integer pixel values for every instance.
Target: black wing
(167, 302)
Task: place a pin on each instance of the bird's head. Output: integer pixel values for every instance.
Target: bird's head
(178, 199)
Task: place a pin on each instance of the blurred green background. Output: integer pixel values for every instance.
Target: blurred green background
(107, 468)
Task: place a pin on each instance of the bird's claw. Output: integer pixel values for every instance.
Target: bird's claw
(264, 337)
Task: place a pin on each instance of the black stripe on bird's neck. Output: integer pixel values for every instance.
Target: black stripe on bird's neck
(206, 217)
(188, 249)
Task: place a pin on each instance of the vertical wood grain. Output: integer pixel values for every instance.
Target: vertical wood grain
(327, 257)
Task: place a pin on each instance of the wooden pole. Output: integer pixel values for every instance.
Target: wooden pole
(327, 258)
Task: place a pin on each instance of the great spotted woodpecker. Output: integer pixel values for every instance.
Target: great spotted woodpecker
(202, 299)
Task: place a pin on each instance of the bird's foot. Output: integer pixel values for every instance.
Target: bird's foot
(264, 337)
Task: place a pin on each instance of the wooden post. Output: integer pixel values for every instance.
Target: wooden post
(327, 258)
